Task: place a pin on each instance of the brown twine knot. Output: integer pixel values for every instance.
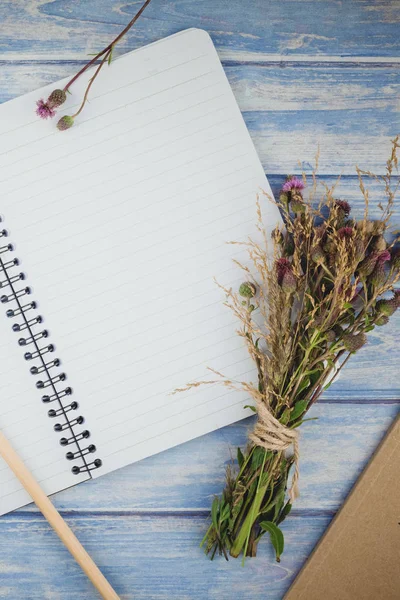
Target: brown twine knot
(271, 434)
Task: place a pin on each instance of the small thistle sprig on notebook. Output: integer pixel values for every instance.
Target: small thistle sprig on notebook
(307, 310)
(47, 109)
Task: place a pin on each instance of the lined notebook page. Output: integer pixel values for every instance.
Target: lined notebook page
(122, 223)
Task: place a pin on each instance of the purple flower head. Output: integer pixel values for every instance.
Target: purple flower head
(294, 183)
(345, 233)
(345, 206)
(383, 256)
(285, 276)
(44, 110)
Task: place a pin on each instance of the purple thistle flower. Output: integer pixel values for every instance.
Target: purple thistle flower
(344, 206)
(44, 110)
(294, 183)
(383, 256)
(345, 233)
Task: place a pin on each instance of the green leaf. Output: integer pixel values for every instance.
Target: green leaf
(225, 513)
(240, 457)
(298, 409)
(285, 511)
(304, 421)
(303, 385)
(276, 536)
(348, 305)
(285, 416)
(369, 328)
(257, 457)
(214, 512)
(279, 503)
(253, 408)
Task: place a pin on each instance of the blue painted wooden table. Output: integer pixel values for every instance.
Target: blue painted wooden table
(304, 72)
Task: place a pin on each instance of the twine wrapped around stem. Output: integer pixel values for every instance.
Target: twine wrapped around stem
(271, 434)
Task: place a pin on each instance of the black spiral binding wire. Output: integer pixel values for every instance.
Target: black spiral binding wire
(11, 278)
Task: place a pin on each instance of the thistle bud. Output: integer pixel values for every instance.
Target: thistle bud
(343, 206)
(381, 320)
(338, 329)
(386, 307)
(395, 261)
(378, 228)
(330, 336)
(359, 250)
(65, 123)
(378, 276)
(317, 254)
(346, 233)
(56, 98)
(284, 198)
(297, 205)
(353, 342)
(369, 227)
(342, 209)
(248, 290)
(379, 243)
(285, 276)
(289, 283)
(367, 265)
(288, 247)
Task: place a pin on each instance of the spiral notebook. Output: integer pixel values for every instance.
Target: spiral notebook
(112, 234)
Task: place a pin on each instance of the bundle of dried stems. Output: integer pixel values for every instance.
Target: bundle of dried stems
(303, 313)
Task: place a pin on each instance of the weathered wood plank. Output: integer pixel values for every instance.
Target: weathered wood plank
(62, 29)
(145, 557)
(351, 112)
(334, 449)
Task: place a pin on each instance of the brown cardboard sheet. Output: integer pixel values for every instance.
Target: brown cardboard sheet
(358, 558)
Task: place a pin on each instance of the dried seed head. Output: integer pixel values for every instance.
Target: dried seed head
(65, 122)
(248, 290)
(56, 98)
(353, 342)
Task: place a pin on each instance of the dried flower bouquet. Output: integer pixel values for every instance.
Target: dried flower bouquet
(308, 309)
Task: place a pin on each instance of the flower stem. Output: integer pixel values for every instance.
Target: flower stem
(108, 48)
